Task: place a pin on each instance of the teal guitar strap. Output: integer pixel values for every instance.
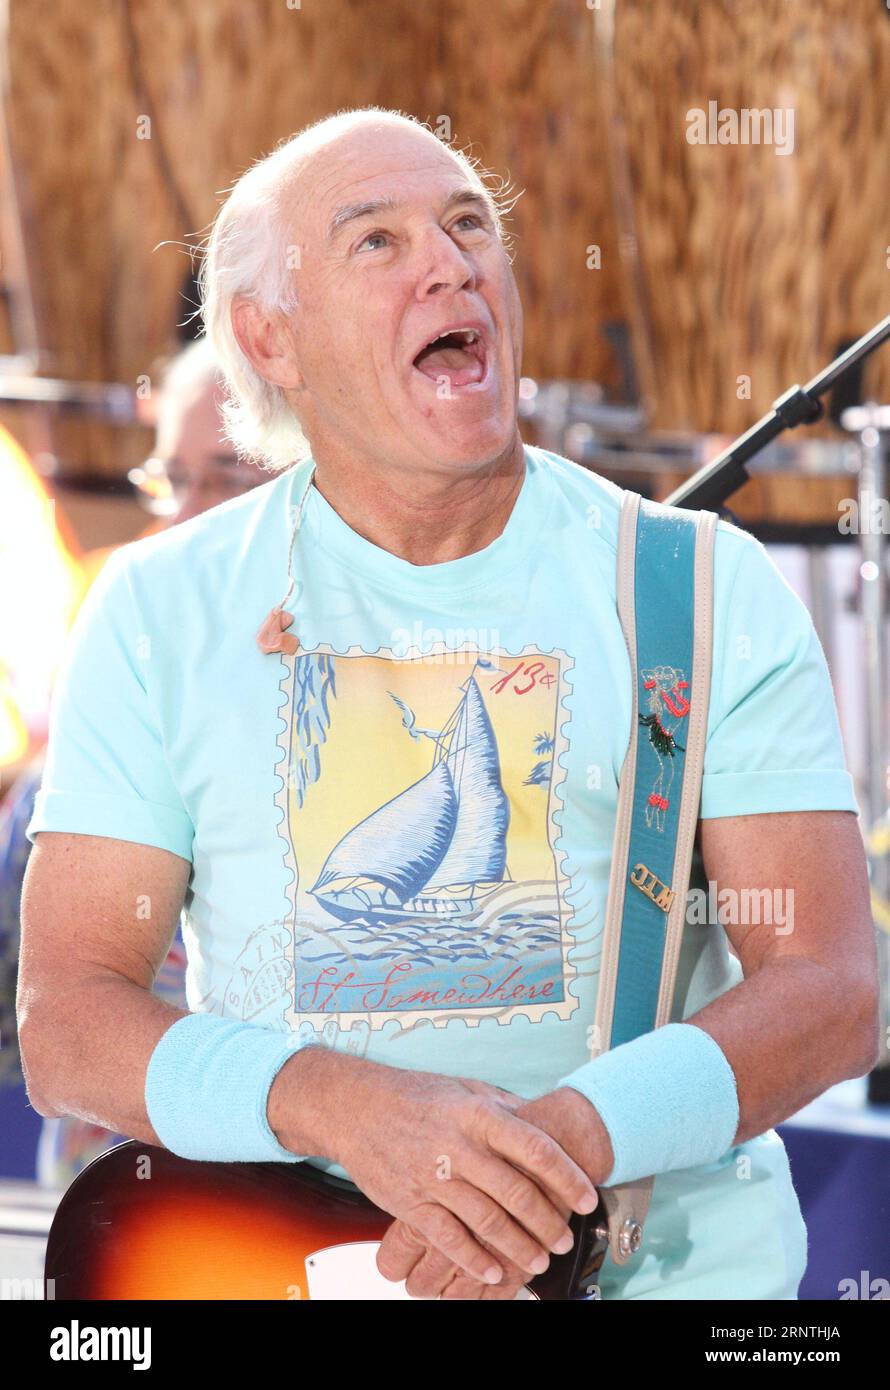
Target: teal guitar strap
(665, 603)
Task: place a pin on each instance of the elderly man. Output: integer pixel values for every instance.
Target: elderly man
(390, 818)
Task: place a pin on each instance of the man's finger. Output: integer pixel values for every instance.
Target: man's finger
(445, 1232)
(433, 1273)
(464, 1288)
(503, 1226)
(519, 1221)
(533, 1151)
(400, 1250)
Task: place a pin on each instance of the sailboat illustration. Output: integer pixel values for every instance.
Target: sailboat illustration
(436, 850)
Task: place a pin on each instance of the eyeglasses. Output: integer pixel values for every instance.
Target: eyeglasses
(162, 484)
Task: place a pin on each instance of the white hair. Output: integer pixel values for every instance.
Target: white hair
(247, 254)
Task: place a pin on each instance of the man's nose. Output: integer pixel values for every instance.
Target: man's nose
(443, 266)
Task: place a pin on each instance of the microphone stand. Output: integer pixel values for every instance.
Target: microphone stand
(800, 405)
(709, 488)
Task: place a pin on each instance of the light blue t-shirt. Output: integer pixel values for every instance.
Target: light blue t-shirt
(400, 837)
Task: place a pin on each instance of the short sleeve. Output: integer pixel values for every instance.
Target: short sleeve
(774, 741)
(106, 770)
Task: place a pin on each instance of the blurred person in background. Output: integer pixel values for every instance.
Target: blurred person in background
(192, 469)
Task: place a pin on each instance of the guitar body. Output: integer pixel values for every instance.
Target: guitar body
(140, 1223)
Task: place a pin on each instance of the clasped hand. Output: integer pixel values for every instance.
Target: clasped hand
(480, 1181)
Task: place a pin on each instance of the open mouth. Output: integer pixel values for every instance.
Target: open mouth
(460, 357)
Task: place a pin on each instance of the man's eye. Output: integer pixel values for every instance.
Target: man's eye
(371, 237)
(470, 217)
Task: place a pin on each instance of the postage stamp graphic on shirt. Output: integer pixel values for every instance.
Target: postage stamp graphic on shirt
(420, 818)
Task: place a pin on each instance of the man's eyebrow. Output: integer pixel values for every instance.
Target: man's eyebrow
(353, 211)
(471, 196)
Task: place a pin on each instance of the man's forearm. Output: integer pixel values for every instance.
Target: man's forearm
(90, 1058)
(313, 1097)
(85, 1052)
(789, 1031)
(684, 1094)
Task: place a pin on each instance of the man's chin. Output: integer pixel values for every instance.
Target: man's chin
(462, 440)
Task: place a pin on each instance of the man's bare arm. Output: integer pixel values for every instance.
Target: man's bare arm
(806, 1015)
(98, 916)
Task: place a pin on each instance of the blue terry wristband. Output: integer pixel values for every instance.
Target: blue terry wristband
(207, 1086)
(668, 1101)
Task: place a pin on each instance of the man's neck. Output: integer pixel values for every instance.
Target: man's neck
(425, 518)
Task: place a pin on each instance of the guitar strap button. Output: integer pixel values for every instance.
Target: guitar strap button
(630, 1237)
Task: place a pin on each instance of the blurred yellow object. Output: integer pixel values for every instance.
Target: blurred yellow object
(42, 581)
(14, 741)
(878, 838)
(880, 911)
(877, 842)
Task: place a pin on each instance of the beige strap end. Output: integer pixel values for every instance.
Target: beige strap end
(626, 1207)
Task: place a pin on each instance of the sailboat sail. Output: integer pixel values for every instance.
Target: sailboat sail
(401, 843)
(437, 845)
(478, 848)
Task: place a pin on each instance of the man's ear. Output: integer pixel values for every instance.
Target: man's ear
(266, 341)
